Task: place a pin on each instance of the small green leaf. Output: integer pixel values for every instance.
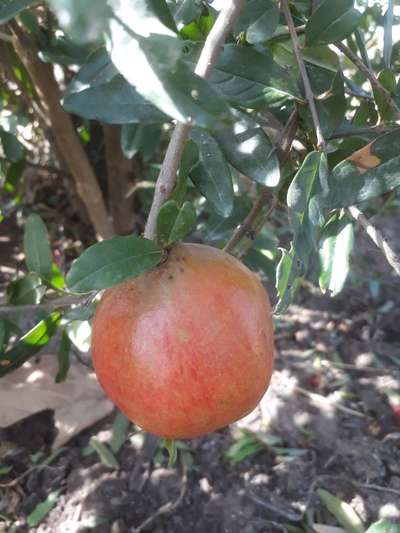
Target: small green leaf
(384, 526)
(336, 244)
(38, 256)
(63, 358)
(342, 511)
(42, 509)
(56, 278)
(184, 223)
(166, 219)
(244, 447)
(11, 8)
(331, 21)
(29, 344)
(13, 149)
(248, 149)
(120, 430)
(170, 446)
(212, 175)
(27, 290)
(111, 262)
(105, 454)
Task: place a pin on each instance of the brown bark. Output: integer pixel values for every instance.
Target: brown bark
(64, 133)
(119, 181)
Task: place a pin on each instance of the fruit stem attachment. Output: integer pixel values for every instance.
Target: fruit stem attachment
(167, 178)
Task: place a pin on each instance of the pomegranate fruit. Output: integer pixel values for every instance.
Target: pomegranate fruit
(186, 348)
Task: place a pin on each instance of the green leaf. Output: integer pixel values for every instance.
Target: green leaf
(63, 358)
(248, 149)
(111, 262)
(331, 21)
(384, 526)
(42, 509)
(83, 21)
(331, 107)
(342, 511)
(251, 78)
(10, 8)
(143, 139)
(184, 223)
(105, 454)
(337, 241)
(367, 173)
(244, 447)
(13, 149)
(159, 75)
(98, 92)
(306, 220)
(388, 80)
(25, 291)
(38, 256)
(29, 344)
(166, 219)
(198, 29)
(212, 175)
(170, 446)
(259, 19)
(120, 430)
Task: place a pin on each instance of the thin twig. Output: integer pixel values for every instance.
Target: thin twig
(208, 57)
(377, 130)
(166, 508)
(319, 399)
(375, 83)
(304, 76)
(282, 146)
(59, 303)
(391, 256)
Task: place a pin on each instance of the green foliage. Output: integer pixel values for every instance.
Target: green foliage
(10, 8)
(40, 512)
(105, 454)
(384, 526)
(344, 513)
(174, 222)
(110, 262)
(29, 344)
(331, 21)
(259, 20)
(38, 256)
(63, 358)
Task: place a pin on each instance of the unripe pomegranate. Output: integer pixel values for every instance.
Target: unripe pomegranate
(187, 348)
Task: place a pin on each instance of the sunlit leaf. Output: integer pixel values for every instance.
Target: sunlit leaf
(337, 241)
(113, 261)
(248, 149)
(342, 511)
(42, 509)
(384, 526)
(29, 344)
(25, 291)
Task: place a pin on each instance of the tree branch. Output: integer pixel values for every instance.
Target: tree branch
(391, 256)
(375, 83)
(167, 177)
(304, 76)
(249, 226)
(63, 130)
(377, 130)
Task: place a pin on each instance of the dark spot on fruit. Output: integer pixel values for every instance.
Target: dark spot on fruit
(181, 269)
(171, 277)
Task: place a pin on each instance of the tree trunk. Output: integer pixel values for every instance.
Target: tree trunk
(119, 181)
(64, 133)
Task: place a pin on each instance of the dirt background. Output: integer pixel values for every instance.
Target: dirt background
(334, 402)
